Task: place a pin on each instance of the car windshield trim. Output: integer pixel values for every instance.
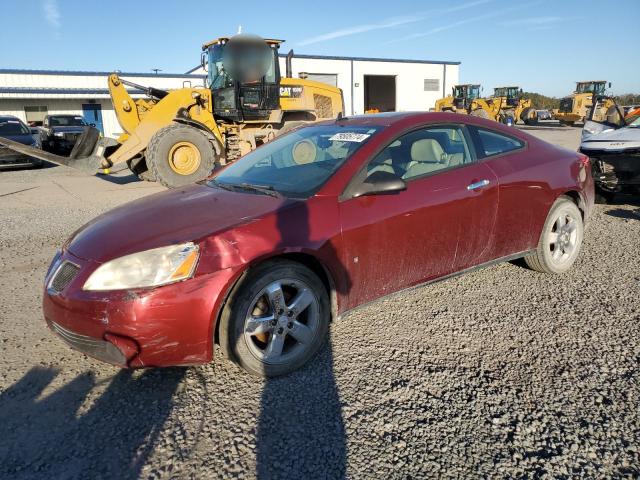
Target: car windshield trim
(298, 164)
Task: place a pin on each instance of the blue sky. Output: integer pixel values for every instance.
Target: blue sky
(542, 45)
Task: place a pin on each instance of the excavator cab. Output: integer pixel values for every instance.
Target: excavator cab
(465, 94)
(243, 74)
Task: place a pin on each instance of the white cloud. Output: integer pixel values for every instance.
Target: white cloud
(52, 13)
(459, 23)
(389, 23)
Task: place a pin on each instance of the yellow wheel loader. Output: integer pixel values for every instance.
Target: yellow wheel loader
(466, 99)
(577, 106)
(178, 137)
(513, 105)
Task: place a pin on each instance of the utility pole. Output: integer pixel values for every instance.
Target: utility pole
(156, 70)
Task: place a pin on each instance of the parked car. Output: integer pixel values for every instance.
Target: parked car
(262, 255)
(614, 151)
(60, 132)
(15, 129)
(543, 115)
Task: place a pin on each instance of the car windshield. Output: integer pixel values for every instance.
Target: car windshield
(13, 127)
(75, 121)
(295, 165)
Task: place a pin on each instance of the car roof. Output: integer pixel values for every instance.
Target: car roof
(9, 117)
(387, 119)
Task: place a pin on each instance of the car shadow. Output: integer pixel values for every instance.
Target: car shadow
(625, 214)
(301, 432)
(50, 435)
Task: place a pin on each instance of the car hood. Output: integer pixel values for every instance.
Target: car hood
(26, 139)
(69, 129)
(620, 139)
(168, 218)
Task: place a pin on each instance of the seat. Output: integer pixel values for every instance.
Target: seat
(427, 156)
(382, 166)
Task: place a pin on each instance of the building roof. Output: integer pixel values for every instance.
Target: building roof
(82, 73)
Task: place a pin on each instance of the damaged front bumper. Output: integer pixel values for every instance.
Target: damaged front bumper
(165, 326)
(616, 171)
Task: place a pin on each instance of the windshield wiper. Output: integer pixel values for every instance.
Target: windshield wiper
(264, 189)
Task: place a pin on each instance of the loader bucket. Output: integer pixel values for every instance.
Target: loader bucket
(86, 156)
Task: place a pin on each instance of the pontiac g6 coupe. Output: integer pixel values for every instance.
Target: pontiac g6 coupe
(261, 256)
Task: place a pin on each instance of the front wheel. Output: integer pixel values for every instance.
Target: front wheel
(560, 240)
(276, 319)
(179, 155)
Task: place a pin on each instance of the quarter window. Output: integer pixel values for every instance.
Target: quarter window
(493, 143)
(423, 152)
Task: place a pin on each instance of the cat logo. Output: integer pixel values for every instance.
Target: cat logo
(290, 92)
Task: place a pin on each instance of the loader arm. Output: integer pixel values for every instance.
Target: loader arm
(141, 119)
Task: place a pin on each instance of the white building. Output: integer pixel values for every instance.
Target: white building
(367, 84)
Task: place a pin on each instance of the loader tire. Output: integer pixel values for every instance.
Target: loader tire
(480, 113)
(180, 155)
(528, 116)
(613, 115)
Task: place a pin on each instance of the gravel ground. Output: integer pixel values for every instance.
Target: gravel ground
(502, 372)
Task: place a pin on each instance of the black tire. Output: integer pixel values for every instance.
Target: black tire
(604, 197)
(544, 258)
(480, 113)
(234, 341)
(159, 148)
(613, 115)
(527, 115)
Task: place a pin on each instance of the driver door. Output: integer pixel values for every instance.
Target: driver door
(439, 224)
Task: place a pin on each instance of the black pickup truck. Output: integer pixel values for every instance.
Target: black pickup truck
(60, 132)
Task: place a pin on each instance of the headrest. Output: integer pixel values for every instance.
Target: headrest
(427, 150)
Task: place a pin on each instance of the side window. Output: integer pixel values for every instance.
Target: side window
(493, 143)
(423, 152)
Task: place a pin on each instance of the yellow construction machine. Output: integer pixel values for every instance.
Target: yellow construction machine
(513, 106)
(577, 106)
(466, 99)
(177, 137)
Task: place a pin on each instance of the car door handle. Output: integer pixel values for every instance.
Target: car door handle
(476, 185)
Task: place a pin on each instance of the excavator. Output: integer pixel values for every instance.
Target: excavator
(577, 106)
(513, 106)
(177, 137)
(466, 99)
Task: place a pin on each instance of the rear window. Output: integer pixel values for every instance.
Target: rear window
(13, 127)
(494, 143)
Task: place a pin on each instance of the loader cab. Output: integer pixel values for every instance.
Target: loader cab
(596, 87)
(238, 100)
(511, 95)
(463, 95)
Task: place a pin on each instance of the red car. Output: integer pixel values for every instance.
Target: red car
(261, 256)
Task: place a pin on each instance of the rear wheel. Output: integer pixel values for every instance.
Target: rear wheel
(276, 320)
(560, 240)
(179, 155)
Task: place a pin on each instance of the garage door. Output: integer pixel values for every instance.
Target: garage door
(328, 78)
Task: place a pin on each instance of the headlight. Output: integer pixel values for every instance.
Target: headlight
(59, 134)
(150, 268)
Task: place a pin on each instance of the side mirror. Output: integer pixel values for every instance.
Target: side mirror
(379, 183)
(609, 84)
(521, 91)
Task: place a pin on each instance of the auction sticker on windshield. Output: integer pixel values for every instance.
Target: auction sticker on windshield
(349, 137)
